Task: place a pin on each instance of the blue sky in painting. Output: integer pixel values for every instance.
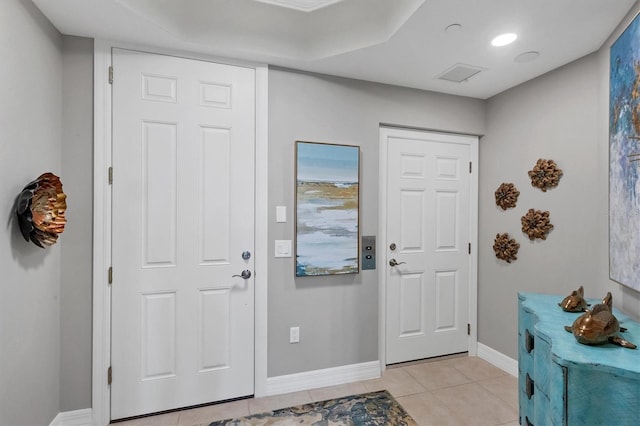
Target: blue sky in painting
(327, 163)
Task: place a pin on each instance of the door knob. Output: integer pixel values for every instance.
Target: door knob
(245, 275)
(394, 262)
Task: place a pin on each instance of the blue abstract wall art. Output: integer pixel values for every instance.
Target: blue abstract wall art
(624, 158)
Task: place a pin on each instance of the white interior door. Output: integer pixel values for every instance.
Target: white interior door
(183, 214)
(427, 244)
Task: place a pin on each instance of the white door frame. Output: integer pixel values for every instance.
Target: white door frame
(102, 124)
(385, 130)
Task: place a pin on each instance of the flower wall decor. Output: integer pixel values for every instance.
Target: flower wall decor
(536, 224)
(506, 248)
(507, 196)
(40, 208)
(545, 174)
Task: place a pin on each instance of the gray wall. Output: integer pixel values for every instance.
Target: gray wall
(337, 316)
(76, 260)
(562, 115)
(30, 144)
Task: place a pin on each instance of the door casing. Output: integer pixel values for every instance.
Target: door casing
(101, 345)
(385, 132)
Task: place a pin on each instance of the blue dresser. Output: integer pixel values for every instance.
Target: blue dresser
(562, 382)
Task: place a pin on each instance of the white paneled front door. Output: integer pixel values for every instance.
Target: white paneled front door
(183, 215)
(427, 244)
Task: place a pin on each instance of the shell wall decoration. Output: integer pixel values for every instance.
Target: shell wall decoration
(40, 208)
(507, 196)
(545, 174)
(536, 224)
(505, 248)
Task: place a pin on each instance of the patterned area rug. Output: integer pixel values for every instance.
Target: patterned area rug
(371, 409)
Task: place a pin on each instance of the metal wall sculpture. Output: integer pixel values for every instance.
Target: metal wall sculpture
(506, 248)
(40, 208)
(507, 196)
(536, 224)
(545, 174)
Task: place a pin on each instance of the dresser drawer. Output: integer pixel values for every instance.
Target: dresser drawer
(541, 410)
(542, 366)
(527, 406)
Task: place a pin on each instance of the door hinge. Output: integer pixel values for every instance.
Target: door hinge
(109, 375)
(469, 248)
(110, 75)
(468, 329)
(110, 175)
(110, 275)
(470, 166)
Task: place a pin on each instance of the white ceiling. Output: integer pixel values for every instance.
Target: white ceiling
(401, 42)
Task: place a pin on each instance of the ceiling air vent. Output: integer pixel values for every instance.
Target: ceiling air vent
(459, 73)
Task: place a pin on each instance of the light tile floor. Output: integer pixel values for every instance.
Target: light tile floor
(454, 391)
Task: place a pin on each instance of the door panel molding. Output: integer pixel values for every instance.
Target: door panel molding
(387, 131)
(101, 314)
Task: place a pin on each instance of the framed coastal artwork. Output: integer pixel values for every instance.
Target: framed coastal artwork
(327, 209)
(624, 158)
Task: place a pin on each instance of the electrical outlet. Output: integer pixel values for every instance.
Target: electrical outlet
(294, 335)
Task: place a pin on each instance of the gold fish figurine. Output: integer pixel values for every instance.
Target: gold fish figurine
(599, 326)
(575, 302)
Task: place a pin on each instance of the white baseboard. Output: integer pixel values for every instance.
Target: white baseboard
(498, 359)
(321, 378)
(74, 418)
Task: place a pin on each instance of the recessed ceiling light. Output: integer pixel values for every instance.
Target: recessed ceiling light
(453, 28)
(504, 39)
(527, 56)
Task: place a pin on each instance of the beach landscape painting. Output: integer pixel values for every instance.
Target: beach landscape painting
(327, 209)
(624, 158)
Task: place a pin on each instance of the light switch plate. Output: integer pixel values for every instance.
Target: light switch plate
(283, 248)
(281, 214)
